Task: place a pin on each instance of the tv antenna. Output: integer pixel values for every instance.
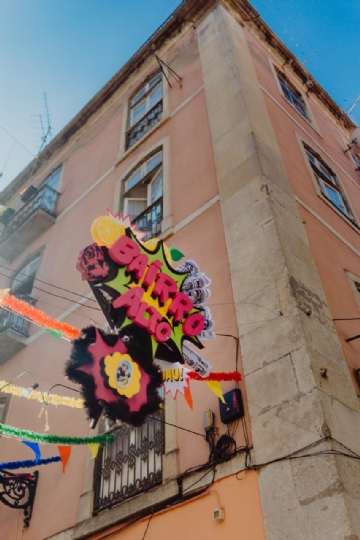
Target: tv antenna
(353, 106)
(44, 125)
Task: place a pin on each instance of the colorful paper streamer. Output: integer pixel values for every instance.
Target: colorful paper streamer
(51, 399)
(53, 439)
(27, 463)
(216, 376)
(35, 315)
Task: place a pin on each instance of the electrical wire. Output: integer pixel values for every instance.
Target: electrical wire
(147, 526)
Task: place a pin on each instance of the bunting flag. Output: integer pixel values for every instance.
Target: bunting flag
(64, 452)
(36, 449)
(94, 449)
(216, 388)
(188, 397)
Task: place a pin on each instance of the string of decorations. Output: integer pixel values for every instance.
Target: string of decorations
(52, 399)
(53, 439)
(216, 376)
(28, 463)
(36, 315)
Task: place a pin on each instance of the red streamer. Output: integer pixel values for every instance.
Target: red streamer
(217, 376)
(39, 317)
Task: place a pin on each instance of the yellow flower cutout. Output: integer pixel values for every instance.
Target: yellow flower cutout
(124, 374)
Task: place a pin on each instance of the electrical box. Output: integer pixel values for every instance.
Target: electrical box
(208, 420)
(233, 408)
(219, 514)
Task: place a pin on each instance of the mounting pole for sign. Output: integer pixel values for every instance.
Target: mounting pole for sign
(176, 76)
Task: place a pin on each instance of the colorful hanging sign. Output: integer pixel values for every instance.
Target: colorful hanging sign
(174, 376)
(153, 308)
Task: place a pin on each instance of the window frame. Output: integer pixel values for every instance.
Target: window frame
(309, 119)
(145, 98)
(320, 178)
(147, 180)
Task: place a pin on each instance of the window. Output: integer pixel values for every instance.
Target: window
(292, 95)
(47, 195)
(4, 404)
(328, 183)
(143, 195)
(145, 110)
(23, 281)
(356, 161)
(130, 464)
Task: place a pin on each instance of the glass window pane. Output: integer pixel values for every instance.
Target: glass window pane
(155, 81)
(138, 96)
(133, 180)
(335, 198)
(138, 112)
(153, 162)
(155, 96)
(156, 186)
(134, 207)
(311, 158)
(326, 174)
(53, 180)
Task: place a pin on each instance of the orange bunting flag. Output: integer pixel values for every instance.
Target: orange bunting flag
(64, 452)
(188, 397)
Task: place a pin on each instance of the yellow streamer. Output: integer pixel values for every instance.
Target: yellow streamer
(52, 399)
(94, 448)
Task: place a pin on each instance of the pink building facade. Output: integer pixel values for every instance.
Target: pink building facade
(237, 160)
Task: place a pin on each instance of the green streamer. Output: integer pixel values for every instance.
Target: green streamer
(53, 439)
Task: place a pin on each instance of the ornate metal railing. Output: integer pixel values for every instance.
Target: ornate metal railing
(149, 221)
(139, 129)
(12, 321)
(44, 199)
(129, 465)
(18, 491)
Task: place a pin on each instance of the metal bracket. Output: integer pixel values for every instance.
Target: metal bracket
(176, 76)
(18, 491)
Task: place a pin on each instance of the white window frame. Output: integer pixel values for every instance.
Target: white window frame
(147, 93)
(327, 178)
(143, 169)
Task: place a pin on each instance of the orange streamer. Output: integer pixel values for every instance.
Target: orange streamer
(38, 317)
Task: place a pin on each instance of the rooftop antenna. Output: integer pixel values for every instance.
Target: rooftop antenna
(45, 125)
(353, 105)
(308, 57)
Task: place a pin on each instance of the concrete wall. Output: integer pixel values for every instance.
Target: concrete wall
(272, 265)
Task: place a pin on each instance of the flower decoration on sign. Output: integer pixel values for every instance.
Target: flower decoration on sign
(112, 379)
(92, 264)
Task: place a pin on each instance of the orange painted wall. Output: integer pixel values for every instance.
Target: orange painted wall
(194, 519)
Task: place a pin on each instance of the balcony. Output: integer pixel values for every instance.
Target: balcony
(144, 125)
(13, 331)
(28, 223)
(149, 221)
(129, 465)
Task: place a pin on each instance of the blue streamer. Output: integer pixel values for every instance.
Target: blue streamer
(28, 463)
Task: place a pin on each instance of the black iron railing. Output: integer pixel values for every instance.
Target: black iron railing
(44, 199)
(129, 465)
(12, 321)
(147, 122)
(149, 221)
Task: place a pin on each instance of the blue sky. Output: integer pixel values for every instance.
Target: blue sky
(70, 49)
